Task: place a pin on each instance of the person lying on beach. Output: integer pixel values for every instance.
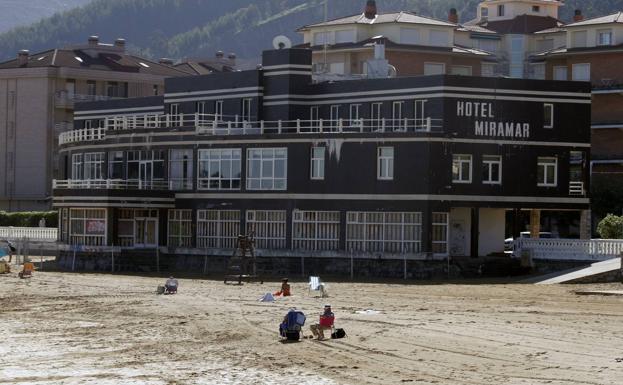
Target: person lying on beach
(327, 319)
(285, 289)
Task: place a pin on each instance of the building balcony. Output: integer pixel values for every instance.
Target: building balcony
(213, 125)
(66, 100)
(121, 184)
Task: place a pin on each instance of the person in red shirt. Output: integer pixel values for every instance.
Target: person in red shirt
(285, 289)
(327, 319)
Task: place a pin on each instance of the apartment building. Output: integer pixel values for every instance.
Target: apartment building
(394, 169)
(38, 93)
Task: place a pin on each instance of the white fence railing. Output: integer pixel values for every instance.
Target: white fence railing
(209, 124)
(32, 233)
(120, 184)
(570, 249)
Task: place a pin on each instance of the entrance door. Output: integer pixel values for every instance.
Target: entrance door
(146, 232)
(458, 235)
(146, 175)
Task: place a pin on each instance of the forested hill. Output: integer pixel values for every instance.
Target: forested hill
(14, 13)
(194, 28)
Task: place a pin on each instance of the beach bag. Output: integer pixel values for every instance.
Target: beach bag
(338, 333)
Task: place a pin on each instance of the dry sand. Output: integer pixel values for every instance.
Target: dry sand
(100, 329)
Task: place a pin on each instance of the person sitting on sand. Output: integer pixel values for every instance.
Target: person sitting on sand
(285, 289)
(171, 285)
(327, 319)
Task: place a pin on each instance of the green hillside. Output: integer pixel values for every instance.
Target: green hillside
(192, 28)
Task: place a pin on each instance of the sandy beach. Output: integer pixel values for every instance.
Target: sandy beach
(100, 329)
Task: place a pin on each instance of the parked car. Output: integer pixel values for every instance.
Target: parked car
(510, 242)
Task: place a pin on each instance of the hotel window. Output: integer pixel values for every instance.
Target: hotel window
(491, 169)
(94, 166)
(112, 89)
(354, 115)
(461, 70)
(409, 36)
(267, 168)
(548, 115)
(317, 163)
(375, 117)
(218, 110)
(87, 227)
(200, 108)
(604, 37)
(434, 69)
(246, 110)
(115, 165)
(547, 172)
(315, 230)
(174, 112)
(488, 45)
(544, 45)
(269, 228)
(397, 123)
(560, 73)
(438, 38)
(536, 9)
(385, 163)
(538, 71)
(180, 228)
(581, 72)
(76, 167)
(155, 90)
(421, 121)
(384, 232)
(501, 10)
(440, 224)
(125, 227)
(345, 36)
(91, 88)
(335, 116)
(314, 117)
(181, 169)
(462, 168)
(218, 229)
(219, 169)
(88, 124)
(484, 12)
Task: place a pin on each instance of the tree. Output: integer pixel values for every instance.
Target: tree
(611, 227)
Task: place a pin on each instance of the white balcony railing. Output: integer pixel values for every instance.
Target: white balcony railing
(570, 249)
(120, 184)
(205, 124)
(576, 189)
(84, 135)
(32, 233)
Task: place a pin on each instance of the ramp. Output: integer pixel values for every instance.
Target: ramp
(606, 271)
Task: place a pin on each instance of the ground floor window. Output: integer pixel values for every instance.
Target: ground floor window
(440, 233)
(268, 227)
(316, 230)
(217, 228)
(87, 227)
(180, 228)
(125, 228)
(384, 232)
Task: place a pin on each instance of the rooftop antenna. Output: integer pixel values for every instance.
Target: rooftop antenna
(326, 36)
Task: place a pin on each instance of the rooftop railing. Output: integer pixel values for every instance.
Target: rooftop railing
(208, 124)
(122, 184)
(66, 99)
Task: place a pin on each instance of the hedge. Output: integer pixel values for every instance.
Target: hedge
(28, 219)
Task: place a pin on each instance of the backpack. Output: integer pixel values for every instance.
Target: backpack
(338, 333)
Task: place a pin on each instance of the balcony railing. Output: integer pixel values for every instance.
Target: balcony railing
(570, 249)
(121, 184)
(32, 233)
(84, 135)
(576, 189)
(214, 125)
(66, 99)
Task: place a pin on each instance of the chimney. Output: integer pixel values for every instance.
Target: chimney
(453, 16)
(22, 57)
(120, 43)
(577, 16)
(220, 54)
(370, 12)
(166, 61)
(94, 41)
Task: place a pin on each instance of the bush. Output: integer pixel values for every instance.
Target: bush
(611, 227)
(28, 219)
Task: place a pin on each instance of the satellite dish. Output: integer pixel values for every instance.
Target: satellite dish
(282, 42)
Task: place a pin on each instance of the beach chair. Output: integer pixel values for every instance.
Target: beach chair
(26, 272)
(316, 285)
(292, 327)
